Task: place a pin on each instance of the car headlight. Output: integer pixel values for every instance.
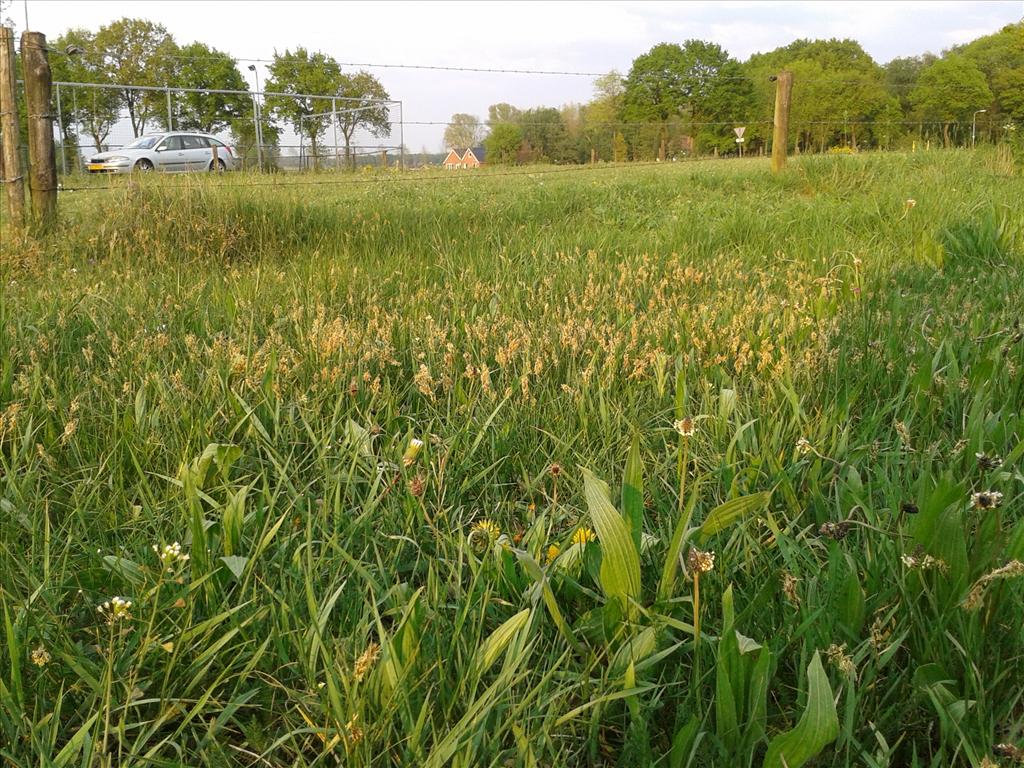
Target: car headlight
(115, 159)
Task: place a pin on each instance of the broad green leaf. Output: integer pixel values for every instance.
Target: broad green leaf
(359, 439)
(498, 641)
(732, 511)
(236, 564)
(231, 522)
(634, 650)
(818, 726)
(127, 569)
(633, 493)
(620, 561)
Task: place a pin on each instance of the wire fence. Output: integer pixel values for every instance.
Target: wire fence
(268, 130)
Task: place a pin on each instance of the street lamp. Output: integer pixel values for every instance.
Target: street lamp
(974, 126)
(256, 117)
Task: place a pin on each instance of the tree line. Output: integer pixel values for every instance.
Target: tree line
(136, 51)
(680, 99)
(676, 99)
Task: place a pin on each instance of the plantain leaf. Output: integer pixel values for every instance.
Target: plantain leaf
(732, 511)
(633, 493)
(498, 641)
(620, 561)
(679, 537)
(818, 726)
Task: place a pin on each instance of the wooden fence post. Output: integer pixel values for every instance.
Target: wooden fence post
(780, 137)
(10, 167)
(42, 160)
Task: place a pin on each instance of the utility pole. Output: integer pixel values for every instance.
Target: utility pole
(780, 137)
(10, 168)
(42, 162)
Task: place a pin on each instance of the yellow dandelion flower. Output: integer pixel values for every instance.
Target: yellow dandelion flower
(583, 536)
(553, 552)
(488, 529)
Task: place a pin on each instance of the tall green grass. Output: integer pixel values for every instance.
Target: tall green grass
(244, 369)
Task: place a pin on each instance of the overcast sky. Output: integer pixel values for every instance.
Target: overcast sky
(577, 36)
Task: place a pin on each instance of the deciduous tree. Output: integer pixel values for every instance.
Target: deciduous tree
(463, 131)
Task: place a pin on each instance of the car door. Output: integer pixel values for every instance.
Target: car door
(197, 152)
(170, 155)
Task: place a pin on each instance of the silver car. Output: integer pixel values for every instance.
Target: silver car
(173, 151)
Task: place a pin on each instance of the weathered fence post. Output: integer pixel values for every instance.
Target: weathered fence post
(42, 162)
(780, 136)
(214, 165)
(10, 167)
(384, 158)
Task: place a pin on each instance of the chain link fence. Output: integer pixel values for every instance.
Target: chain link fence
(269, 131)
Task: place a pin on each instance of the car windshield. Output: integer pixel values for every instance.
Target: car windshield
(143, 142)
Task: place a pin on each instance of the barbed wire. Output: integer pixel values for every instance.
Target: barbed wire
(448, 176)
(499, 70)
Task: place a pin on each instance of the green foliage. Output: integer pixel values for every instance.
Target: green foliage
(137, 52)
(502, 143)
(242, 370)
(818, 726)
(201, 67)
(302, 75)
(463, 131)
(950, 90)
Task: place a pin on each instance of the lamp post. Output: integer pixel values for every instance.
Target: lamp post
(974, 126)
(256, 117)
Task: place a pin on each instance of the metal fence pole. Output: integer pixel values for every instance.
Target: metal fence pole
(334, 127)
(401, 136)
(170, 117)
(63, 135)
(259, 130)
(302, 158)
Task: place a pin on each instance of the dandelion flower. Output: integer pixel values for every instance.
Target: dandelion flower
(553, 552)
(412, 452)
(488, 529)
(583, 536)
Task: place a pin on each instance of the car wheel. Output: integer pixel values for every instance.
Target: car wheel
(144, 165)
(220, 166)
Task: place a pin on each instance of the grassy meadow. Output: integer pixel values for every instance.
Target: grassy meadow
(675, 465)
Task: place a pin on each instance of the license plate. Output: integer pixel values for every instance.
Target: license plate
(96, 166)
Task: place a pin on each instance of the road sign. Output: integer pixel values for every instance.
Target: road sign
(738, 130)
(739, 141)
